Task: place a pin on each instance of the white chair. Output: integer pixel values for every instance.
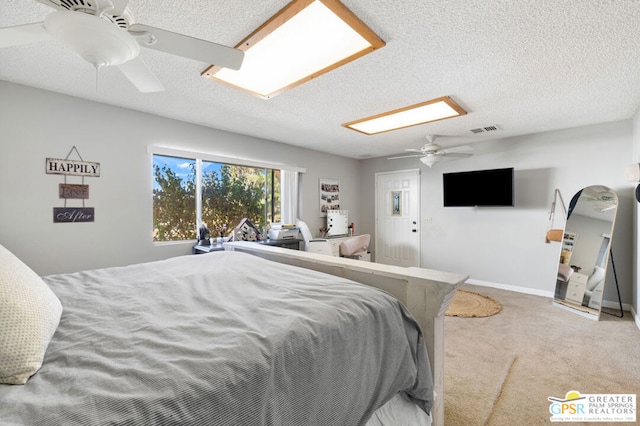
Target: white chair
(355, 247)
(310, 244)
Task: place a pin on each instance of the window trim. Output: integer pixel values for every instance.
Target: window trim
(217, 158)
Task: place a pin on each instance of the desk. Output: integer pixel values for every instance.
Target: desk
(292, 243)
(200, 248)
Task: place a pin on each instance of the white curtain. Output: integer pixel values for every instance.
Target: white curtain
(289, 196)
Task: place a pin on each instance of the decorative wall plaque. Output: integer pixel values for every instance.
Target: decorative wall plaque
(57, 166)
(75, 192)
(73, 214)
(68, 191)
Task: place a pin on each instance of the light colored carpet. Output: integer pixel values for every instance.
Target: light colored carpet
(500, 370)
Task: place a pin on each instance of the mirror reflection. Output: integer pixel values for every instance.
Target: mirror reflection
(584, 256)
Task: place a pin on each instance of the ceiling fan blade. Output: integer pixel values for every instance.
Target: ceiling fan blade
(23, 34)
(189, 47)
(413, 150)
(461, 148)
(455, 154)
(140, 76)
(404, 156)
(51, 3)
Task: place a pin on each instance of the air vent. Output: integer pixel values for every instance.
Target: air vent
(485, 129)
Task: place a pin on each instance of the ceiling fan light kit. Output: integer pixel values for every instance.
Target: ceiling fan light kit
(102, 33)
(97, 41)
(430, 160)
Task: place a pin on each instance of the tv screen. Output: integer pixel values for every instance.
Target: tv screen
(490, 188)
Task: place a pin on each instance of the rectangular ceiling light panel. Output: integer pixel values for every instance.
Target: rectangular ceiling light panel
(425, 112)
(304, 40)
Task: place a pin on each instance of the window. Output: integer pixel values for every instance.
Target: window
(189, 191)
(174, 198)
(231, 193)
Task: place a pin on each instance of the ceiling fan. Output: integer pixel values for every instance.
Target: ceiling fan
(103, 33)
(431, 153)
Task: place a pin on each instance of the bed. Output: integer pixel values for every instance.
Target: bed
(253, 335)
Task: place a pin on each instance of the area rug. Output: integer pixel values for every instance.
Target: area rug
(467, 304)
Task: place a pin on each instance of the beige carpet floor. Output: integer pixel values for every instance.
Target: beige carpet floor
(501, 369)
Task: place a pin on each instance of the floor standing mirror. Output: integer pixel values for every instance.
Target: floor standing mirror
(586, 245)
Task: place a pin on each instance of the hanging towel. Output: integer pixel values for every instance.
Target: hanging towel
(554, 235)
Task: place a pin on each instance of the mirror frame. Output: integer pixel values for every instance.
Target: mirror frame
(574, 279)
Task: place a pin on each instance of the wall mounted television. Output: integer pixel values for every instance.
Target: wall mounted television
(479, 188)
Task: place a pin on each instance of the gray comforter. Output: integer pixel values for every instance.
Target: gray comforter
(220, 339)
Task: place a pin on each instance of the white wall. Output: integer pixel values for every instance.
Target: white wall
(496, 246)
(36, 124)
(636, 222)
(505, 246)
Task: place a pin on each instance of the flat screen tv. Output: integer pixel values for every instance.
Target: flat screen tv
(489, 188)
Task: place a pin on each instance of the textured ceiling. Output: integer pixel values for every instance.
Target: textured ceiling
(526, 66)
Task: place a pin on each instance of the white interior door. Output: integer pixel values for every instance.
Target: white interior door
(397, 240)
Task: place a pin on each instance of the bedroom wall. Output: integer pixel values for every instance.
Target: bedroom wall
(504, 247)
(636, 222)
(36, 124)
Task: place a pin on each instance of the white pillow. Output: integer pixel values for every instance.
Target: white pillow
(29, 315)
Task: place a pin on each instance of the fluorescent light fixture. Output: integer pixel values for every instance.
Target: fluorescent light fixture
(425, 112)
(303, 41)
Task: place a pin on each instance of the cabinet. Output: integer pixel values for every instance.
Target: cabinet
(577, 286)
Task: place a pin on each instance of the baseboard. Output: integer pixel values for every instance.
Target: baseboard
(635, 316)
(605, 303)
(514, 288)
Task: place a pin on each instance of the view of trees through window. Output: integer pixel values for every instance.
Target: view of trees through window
(228, 193)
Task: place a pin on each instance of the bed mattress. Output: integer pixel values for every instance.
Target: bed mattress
(224, 338)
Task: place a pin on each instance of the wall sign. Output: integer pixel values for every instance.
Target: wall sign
(71, 214)
(68, 191)
(55, 166)
(76, 192)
